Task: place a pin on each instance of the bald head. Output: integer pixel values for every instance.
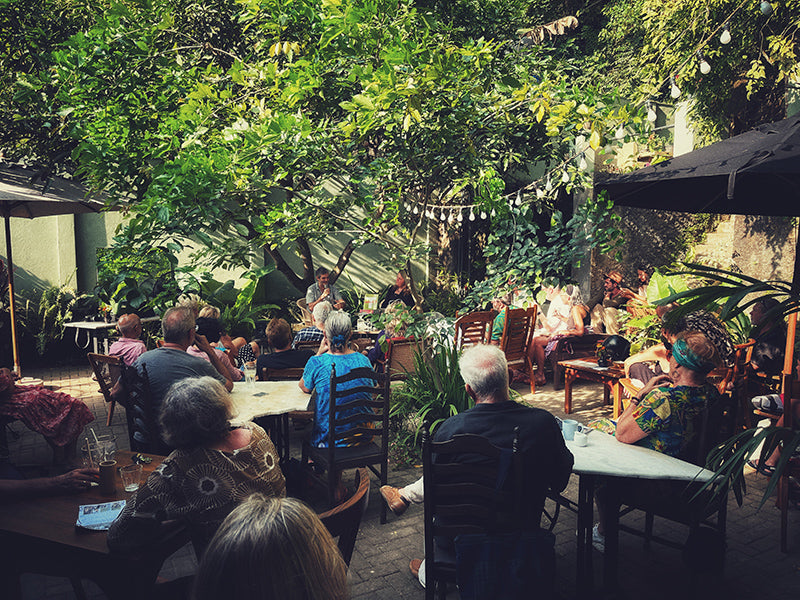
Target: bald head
(177, 325)
(130, 326)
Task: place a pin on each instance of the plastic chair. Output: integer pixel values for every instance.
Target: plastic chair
(305, 314)
(107, 370)
(344, 520)
(474, 328)
(373, 424)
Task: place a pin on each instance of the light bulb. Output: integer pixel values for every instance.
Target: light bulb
(460, 217)
(766, 8)
(483, 215)
(620, 132)
(674, 90)
(450, 218)
(442, 216)
(549, 185)
(471, 215)
(518, 199)
(651, 113)
(565, 177)
(583, 165)
(705, 68)
(539, 193)
(725, 38)
(416, 210)
(494, 214)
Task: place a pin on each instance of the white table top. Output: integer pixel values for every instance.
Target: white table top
(95, 325)
(604, 455)
(266, 398)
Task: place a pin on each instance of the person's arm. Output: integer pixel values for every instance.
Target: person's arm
(202, 344)
(234, 373)
(628, 429)
(68, 483)
(303, 387)
(336, 298)
(310, 302)
(657, 353)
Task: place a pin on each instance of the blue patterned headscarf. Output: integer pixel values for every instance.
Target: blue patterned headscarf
(685, 357)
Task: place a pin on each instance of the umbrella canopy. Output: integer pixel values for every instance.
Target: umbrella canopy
(755, 173)
(22, 196)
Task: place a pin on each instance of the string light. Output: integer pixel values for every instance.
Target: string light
(460, 217)
(539, 193)
(674, 90)
(620, 132)
(565, 177)
(766, 8)
(549, 185)
(416, 210)
(582, 164)
(471, 215)
(705, 68)
(651, 113)
(494, 214)
(442, 217)
(518, 199)
(483, 215)
(725, 38)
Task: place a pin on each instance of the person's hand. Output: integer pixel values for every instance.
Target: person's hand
(76, 480)
(653, 384)
(203, 344)
(326, 292)
(324, 346)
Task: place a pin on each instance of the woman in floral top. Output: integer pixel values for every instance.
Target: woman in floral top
(664, 415)
(214, 468)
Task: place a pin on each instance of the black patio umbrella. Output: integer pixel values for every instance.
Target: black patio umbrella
(755, 173)
(21, 196)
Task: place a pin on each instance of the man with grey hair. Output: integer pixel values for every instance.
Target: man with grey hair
(323, 290)
(545, 455)
(128, 347)
(314, 333)
(170, 362)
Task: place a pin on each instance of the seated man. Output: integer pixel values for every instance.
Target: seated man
(604, 307)
(171, 362)
(314, 333)
(322, 290)
(128, 347)
(494, 416)
(663, 417)
(279, 337)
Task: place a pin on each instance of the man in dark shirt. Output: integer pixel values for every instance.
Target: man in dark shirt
(279, 337)
(494, 416)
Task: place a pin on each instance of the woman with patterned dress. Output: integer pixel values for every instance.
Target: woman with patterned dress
(214, 468)
(59, 417)
(663, 417)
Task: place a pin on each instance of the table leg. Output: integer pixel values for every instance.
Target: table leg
(611, 550)
(569, 377)
(606, 392)
(584, 577)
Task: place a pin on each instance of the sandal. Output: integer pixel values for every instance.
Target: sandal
(765, 470)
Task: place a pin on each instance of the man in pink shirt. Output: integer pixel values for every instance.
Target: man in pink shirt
(129, 347)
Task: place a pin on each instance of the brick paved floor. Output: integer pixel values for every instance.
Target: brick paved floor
(755, 567)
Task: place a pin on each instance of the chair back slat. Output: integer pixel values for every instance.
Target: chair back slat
(143, 429)
(293, 374)
(107, 370)
(343, 521)
(373, 400)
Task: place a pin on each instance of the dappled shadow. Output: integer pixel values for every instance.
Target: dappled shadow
(775, 233)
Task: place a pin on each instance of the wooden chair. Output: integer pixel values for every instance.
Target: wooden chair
(343, 424)
(344, 520)
(297, 416)
(140, 414)
(790, 388)
(400, 361)
(474, 328)
(674, 501)
(306, 345)
(472, 499)
(107, 370)
(516, 340)
(305, 314)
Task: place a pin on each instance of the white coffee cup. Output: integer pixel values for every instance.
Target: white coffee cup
(580, 438)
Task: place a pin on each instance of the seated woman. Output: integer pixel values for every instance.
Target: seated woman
(58, 417)
(213, 468)
(651, 362)
(399, 291)
(395, 329)
(238, 349)
(663, 416)
(564, 318)
(500, 304)
(279, 337)
(272, 549)
(334, 351)
(212, 330)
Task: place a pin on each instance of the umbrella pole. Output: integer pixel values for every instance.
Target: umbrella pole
(11, 304)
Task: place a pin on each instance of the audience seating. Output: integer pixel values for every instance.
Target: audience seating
(143, 429)
(516, 339)
(305, 314)
(344, 520)
(400, 358)
(374, 423)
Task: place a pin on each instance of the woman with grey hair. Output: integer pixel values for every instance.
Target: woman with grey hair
(334, 352)
(214, 467)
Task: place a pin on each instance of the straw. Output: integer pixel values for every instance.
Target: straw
(94, 435)
(89, 452)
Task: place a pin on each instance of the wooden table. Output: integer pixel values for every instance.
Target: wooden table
(39, 535)
(604, 456)
(587, 368)
(274, 399)
(95, 330)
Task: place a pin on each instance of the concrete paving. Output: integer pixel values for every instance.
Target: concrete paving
(755, 568)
